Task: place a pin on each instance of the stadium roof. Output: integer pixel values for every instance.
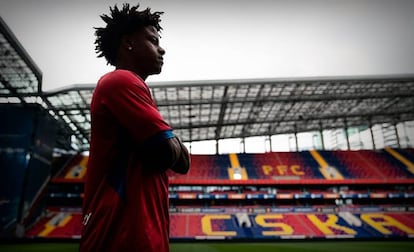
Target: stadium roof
(19, 75)
(212, 110)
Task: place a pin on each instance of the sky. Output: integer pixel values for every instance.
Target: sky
(226, 39)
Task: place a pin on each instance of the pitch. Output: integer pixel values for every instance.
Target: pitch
(290, 246)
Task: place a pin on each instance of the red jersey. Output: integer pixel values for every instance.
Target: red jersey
(125, 208)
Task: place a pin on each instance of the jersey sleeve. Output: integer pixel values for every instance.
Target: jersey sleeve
(129, 100)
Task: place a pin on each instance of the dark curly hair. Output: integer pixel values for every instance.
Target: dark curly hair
(122, 22)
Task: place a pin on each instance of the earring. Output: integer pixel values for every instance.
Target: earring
(129, 48)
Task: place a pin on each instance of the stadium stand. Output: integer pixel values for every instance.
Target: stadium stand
(366, 207)
(277, 166)
(282, 165)
(367, 164)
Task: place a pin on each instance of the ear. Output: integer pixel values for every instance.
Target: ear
(127, 43)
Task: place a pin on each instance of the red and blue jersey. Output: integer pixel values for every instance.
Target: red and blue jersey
(125, 208)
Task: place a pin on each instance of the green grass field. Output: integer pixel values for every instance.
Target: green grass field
(290, 246)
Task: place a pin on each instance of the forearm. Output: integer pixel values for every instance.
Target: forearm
(166, 154)
(182, 164)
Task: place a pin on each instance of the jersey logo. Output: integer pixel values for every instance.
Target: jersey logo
(86, 218)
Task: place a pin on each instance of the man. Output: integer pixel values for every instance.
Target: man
(126, 189)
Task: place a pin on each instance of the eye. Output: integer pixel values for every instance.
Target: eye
(154, 40)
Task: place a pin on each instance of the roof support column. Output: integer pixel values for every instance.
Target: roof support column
(296, 138)
(321, 134)
(243, 145)
(348, 146)
(397, 135)
(268, 140)
(372, 135)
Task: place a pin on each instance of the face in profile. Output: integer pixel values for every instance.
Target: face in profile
(147, 53)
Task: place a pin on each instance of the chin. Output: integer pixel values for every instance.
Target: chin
(158, 71)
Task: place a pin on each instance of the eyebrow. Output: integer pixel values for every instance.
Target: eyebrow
(155, 35)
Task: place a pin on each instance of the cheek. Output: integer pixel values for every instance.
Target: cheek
(143, 52)
(154, 50)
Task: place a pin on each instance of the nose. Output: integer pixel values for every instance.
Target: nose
(161, 50)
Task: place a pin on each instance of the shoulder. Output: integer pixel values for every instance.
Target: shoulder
(119, 79)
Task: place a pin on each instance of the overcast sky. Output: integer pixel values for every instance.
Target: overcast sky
(226, 39)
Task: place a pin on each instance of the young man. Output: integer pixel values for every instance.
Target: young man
(126, 189)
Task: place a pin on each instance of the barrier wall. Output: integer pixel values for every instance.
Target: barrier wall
(257, 223)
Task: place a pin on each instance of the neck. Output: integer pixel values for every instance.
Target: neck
(132, 69)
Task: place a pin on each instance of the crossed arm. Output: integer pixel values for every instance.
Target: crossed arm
(130, 102)
(167, 154)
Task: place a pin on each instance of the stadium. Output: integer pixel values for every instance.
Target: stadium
(353, 184)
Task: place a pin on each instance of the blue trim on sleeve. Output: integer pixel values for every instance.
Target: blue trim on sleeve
(159, 137)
